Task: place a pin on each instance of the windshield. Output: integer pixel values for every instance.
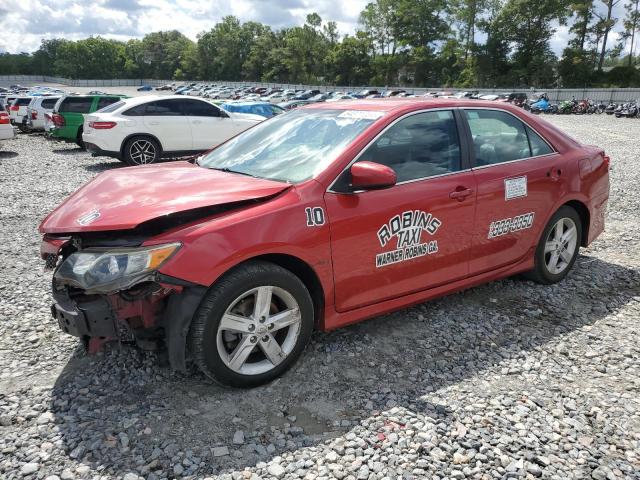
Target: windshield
(293, 147)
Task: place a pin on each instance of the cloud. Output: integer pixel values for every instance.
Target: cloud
(24, 23)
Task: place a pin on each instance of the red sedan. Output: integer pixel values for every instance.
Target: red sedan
(316, 219)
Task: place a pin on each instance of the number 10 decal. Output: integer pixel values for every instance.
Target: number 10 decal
(315, 216)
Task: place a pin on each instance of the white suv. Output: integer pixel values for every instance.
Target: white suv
(18, 109)
(7, 131)
(143, 129)
(37, 111)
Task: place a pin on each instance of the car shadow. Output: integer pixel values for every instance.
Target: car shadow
(6, 154)
(120, 406)
(69, 151)
(102, 166)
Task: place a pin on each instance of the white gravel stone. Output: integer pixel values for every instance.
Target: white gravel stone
(505, 380)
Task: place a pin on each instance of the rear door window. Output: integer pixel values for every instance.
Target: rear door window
(498, 137)
(197, 108)
(538, 145)
(106, 101)
(111, 108)
(164, 108)
(76, 105)
(49, 103)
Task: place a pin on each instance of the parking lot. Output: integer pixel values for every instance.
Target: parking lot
(506, 380)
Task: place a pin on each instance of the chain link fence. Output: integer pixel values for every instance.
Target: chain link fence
(555, 95)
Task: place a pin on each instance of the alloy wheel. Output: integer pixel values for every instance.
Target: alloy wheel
(258, 330)
(142, 152)
(560, 246)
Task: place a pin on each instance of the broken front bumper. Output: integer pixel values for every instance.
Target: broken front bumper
(161, 316)
(90, 318)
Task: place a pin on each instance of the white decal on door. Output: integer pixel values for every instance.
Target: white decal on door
(515, 188)
(407, 228)
(509, 225)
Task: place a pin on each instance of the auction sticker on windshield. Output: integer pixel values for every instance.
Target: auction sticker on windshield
(360, 114)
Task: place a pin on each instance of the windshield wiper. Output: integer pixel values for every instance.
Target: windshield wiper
(228, 170)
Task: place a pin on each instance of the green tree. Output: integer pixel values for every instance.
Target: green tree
(605, 25)
(631, 24)
(529, 27)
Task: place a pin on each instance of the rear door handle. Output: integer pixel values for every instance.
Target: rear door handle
(195, 122)
(460, 194)
(154, 123)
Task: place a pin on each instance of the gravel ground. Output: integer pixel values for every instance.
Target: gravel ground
(507, 380)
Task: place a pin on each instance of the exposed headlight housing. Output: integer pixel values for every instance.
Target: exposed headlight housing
(104, 271)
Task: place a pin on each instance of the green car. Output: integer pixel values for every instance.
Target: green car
(68, 115)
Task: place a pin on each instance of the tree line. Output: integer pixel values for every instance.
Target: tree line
(459, 43)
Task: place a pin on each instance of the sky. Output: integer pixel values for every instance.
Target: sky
(24, 23)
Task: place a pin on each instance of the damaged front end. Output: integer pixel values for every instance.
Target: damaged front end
(106, 287)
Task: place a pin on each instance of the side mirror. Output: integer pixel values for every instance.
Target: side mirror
(371, 176)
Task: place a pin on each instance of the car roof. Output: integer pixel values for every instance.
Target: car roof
(152, 98)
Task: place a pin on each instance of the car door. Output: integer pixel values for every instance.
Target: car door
(164, 120)
(210, 126)
(519, 178)
(415, 235)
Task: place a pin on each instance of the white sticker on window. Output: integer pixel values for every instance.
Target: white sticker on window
(515, 188)
(361, 114)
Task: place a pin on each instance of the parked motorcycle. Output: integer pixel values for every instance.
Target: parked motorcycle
(567, 106)
(581, 107)
(630, 110)
(597, 107)
(543, 106)
(611, 108)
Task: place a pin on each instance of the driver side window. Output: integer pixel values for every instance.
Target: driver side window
(419, 146)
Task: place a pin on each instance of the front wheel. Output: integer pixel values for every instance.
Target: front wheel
(252, 325)
(558, 247)
(141, 151)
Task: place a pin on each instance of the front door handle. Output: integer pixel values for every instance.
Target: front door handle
(154, 123)
(196, 122)
(460, 193)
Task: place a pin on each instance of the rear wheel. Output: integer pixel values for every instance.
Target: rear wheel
(141, 151)
(558, 247)
(252, 325)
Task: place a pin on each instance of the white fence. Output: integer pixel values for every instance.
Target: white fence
(555, 95)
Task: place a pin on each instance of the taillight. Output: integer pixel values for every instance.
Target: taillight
(58, 120)
(14, 108)
(34, 115)
(4, 118)
(606, 160)
(102, 125)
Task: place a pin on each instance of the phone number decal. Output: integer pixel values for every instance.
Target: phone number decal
(509, 225)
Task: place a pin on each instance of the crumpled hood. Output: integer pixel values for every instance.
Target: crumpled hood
(124, 198)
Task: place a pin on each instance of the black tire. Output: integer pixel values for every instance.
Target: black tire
(541, 273)
(203, 332)
(79, 140)
(130, 154)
